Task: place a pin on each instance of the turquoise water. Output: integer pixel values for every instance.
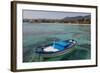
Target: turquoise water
(38, 34)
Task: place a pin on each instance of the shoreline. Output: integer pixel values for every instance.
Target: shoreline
(59, 23)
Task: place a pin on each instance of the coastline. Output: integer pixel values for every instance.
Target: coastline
(57, 23)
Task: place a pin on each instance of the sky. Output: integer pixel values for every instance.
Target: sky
(36, 14)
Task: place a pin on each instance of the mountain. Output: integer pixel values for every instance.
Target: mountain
(76, 20)
(77, 17)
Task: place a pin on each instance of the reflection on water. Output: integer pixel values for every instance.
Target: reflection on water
(38, 34)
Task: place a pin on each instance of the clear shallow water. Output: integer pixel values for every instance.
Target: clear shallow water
(37, 34)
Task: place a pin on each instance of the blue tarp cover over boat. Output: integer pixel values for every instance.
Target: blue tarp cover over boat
(61, 45)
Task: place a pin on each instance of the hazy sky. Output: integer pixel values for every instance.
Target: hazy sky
(33, 14)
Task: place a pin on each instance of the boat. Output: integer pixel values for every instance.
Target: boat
(56, 48)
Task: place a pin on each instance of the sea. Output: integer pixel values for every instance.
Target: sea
(37, 35)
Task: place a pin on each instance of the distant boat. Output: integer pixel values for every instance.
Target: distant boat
(56, 48)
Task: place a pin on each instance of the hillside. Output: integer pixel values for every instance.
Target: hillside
(77, 19)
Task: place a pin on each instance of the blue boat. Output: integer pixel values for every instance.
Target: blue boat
(57, 48)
